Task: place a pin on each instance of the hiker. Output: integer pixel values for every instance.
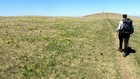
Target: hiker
(124, 29)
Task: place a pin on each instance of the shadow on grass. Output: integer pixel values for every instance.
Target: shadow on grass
(128, 51)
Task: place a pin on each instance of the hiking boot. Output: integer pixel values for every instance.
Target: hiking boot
(125, 54)
(121, 50)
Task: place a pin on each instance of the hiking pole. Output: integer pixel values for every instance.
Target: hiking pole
(115, 35)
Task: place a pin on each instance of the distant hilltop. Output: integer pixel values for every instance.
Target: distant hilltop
(108, 15)
(103, 13)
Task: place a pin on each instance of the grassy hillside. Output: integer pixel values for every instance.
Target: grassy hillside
(66, 48)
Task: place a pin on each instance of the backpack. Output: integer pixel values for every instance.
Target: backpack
(127, 26)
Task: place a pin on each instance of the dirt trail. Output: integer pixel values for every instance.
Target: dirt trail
(127, 68)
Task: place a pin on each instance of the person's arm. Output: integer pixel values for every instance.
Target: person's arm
(120, 26)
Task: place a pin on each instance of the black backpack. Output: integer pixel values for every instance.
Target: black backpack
(127, 26)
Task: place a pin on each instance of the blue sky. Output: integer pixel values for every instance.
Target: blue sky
(67, 7)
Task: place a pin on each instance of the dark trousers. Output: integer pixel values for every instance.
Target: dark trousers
(125, 38)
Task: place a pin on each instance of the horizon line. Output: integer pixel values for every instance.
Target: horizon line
(63, 15)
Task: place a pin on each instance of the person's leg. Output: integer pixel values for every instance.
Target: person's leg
(120, 42)
(126, 42)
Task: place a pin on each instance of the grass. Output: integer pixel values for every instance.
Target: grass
(61, 47)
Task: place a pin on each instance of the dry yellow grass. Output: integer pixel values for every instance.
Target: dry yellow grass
(65, 47)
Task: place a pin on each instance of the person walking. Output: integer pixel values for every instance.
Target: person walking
(124, 30)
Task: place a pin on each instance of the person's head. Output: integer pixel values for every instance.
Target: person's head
(124, 15)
